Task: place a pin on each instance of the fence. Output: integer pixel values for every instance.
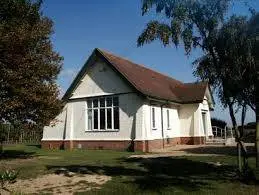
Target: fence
(221, 133)
(10, 135)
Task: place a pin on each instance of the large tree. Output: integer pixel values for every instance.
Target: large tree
(235, 74)
(28, 64)
(195, 24)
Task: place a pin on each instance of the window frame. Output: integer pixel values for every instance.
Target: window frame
(153, 118)
(98, 108)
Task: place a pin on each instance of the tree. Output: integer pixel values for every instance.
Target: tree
(253, 30)
(28, 65)
(196, 24)
(235, 74)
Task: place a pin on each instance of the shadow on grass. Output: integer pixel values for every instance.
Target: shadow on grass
(34, 145)
(16, 154)
(222, 150)
(155, 174)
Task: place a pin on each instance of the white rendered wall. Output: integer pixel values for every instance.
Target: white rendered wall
(191, 123)
(188, 115)
(100, 79)
(174, 130)
(150, 133)
(56, 130)
(130, 114)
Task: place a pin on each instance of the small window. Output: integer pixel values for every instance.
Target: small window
(168, 119)
(102, 102)
(96, 119)
(109, 118)
(108, 101)
(90, 121)
(95, 103)
(89, 104)
(115, 101)
(153, 118)
(116, 118)
(102, 118)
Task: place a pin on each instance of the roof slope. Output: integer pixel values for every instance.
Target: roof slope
(149, 82)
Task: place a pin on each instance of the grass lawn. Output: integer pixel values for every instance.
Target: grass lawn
(163, 175)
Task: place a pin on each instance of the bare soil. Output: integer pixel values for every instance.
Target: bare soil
(57, 184)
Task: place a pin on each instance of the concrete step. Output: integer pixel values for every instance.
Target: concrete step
(215, 142)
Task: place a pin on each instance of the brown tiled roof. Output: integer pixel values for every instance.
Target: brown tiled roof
(155, 84)
(148, 82)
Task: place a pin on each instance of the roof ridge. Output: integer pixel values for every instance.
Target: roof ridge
(141, 65)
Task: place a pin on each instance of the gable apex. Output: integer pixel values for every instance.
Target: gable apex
(144, 80)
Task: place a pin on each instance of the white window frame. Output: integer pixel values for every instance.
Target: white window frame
(112, 107)
(168, 119)
(153, 118)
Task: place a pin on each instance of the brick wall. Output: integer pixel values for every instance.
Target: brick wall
(192, 140)
(144, 146)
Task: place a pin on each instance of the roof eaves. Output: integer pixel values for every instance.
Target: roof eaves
(121, 73)
(80, 74)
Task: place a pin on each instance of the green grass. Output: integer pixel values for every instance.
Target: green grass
(164, 175)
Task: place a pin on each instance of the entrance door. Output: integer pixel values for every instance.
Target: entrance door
(204, 123)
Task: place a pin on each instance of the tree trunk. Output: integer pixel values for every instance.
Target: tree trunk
(257, 125)
(257, 139)
(257, 100)
(232, 115)
(243, 116)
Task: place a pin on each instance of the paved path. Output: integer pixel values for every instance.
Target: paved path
(195, 150)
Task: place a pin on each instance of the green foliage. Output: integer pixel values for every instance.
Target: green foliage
(7, 176)
(232, 69)
(28, 64)
(218, 122)
(193, 22)
(229, 47)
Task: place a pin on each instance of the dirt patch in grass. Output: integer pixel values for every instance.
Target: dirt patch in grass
(49, 157)
(58, 184)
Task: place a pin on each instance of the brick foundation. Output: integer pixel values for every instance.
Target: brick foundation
(89, 144)
(52, 144)
(151, 145)
(192, 140)
(144, 146)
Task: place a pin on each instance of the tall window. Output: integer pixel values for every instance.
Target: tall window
(103, 113)
(168, 118)
(153, 113)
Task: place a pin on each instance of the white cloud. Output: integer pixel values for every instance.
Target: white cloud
(68, 73)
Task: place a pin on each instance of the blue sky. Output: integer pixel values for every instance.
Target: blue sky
(114, 25)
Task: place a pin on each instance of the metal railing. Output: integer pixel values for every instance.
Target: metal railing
(220, 133)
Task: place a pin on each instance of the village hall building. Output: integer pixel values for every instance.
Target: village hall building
(114, 103)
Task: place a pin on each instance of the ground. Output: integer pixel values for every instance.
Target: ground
(193, 170)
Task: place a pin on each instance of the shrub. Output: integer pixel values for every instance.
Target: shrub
(7, 176)
(218, 122)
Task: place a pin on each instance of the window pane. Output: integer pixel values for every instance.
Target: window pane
(102, 102)
(108, 101)
(153, 118)
(109, 118)
(95, 119)
(115, 101)
(95, 103)
(102, 118)
(89, 114)
(116, 118)
(89, 103)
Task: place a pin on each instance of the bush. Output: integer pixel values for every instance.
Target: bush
(218, 122)
(7, 176)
